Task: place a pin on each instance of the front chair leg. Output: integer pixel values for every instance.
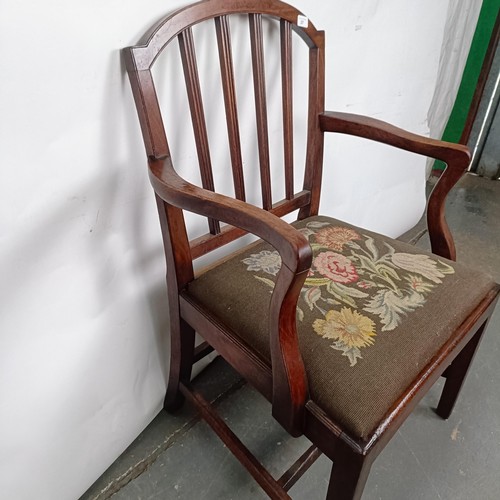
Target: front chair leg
(455, 375)
(181, 362)
(348, 477)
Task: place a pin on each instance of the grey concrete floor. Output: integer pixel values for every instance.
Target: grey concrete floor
(179, 457)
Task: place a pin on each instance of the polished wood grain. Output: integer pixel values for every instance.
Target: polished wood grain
(282, 379)
(287, 102)
(299, 467)
(455, 374)
(259, 81)
(316, 103)
(188, 57)
(456, 157)
(208, 242)
(229, 90)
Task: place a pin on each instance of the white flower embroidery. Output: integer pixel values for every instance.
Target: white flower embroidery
(389, 306)
(269, 262)
(421, 264)
(418, 284)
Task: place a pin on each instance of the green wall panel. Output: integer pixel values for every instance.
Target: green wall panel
(479, 46)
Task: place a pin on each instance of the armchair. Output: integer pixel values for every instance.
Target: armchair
(341, 329)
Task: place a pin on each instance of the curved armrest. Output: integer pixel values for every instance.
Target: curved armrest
(456, 157)
(380, 131)
(291, 244)
(289, 378)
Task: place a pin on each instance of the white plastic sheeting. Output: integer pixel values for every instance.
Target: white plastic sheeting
(83, 321)
(459, 29)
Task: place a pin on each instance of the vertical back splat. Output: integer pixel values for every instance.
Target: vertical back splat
(188, 56)
(286, 82)
(228, 87)
(257, 47)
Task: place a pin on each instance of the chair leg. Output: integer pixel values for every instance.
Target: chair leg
(181, 362)
(348, 476)
(455, 375)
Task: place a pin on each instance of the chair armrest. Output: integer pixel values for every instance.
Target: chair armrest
(456, 156)
(380, 131)
(290, 389)
(291, 244)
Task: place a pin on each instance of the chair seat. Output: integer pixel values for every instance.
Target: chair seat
(371, 315)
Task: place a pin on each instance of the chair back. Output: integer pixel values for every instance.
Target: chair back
(261, 17)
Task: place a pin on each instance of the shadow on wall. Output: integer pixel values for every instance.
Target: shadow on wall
(87, 325)
(128, 198)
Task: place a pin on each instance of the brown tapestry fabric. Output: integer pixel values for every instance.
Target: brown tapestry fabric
(370, 316)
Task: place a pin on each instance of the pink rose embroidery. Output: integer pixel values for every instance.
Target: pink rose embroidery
(336, 267)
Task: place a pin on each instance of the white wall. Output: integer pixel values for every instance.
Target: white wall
(82, 287)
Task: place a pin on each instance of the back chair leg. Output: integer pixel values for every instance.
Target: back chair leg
(455, 375)
(181, 362)
(348, 477)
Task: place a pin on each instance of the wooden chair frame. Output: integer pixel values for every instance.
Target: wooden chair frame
(284, 383)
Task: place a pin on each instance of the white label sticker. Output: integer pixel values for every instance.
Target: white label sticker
(302, 21)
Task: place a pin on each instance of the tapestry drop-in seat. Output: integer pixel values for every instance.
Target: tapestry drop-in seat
(371, 315)
(342, 330)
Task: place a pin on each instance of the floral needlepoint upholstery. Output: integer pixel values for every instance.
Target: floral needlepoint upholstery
(343, 287)
(368, 306)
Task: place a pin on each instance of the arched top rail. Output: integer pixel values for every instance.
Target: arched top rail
(153, 42)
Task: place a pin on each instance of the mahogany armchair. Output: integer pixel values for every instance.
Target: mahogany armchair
(353, 327)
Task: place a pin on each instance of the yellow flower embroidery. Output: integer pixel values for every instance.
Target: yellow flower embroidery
(348, 326)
